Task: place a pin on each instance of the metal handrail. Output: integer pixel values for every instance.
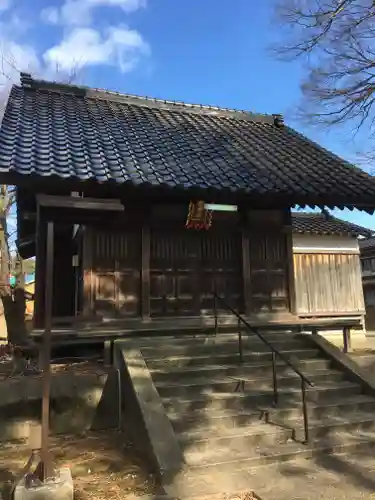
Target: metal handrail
(304, 380)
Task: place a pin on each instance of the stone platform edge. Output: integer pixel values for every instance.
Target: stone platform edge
(165, 447)
(344, 362)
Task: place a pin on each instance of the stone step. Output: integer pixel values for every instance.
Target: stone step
(332, 475)
(231, 384)
(167, 362)
(211, 345)
(348, 407)
(328, 426)
(256, 369)
(253, 435)
(257, 398)
(245, 457)
(257, 434)
(335, 476)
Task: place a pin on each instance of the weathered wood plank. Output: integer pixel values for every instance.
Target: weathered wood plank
(328, 283)
(99, 204)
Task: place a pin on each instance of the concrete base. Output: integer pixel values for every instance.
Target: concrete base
(61, 488)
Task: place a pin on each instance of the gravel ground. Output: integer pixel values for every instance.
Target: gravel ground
(108, 464)
(103, 464)
(339, 477)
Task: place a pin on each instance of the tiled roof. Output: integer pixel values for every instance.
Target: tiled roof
(321, 223)
(78, 133)
(368, 244)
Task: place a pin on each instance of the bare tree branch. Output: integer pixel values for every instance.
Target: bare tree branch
(337, 39)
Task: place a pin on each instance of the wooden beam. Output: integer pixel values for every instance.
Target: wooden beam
(46, 379)
(52, 201)
(145, 273)
(40, 268)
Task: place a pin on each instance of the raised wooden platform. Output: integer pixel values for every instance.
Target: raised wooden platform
(111, 330)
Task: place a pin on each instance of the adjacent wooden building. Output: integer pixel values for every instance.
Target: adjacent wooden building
(367, 249)
(327, 266)
(117, 176)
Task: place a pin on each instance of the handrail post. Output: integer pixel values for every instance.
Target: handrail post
(274, 377)
(240, 346)
(304, 410)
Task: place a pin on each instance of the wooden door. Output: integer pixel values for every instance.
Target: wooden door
(269, 272)
(220, 268)
(116, 273)
(185, 266)
(172, 259)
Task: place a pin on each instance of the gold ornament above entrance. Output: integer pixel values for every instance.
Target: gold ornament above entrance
(198, 216)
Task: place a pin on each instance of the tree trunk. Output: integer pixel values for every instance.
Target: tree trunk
(14, 305)
(5, 292)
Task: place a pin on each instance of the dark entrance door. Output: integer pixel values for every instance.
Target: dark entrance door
(184, 265)
(269, 272)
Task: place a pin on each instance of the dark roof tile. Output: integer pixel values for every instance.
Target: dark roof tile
(320, 223)
(81, 133)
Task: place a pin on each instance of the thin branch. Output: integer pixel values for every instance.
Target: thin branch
(337, 38)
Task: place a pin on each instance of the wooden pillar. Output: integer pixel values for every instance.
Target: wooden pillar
(145, 272)
(246, 272)
(88, 277)
(40, 269)
(195, 249)
(46, 379)
(290, 257)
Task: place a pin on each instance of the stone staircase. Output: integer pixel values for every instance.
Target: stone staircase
(229, 431)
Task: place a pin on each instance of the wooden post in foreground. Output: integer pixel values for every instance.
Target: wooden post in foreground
(46, 356)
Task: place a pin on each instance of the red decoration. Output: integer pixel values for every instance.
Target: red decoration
(198, 217)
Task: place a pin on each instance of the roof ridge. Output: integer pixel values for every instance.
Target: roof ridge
(28, 82)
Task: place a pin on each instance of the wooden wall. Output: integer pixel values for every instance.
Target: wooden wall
(269, 238)
(114, 274)
(328, 280)
(145, 264)
(156, 268)
(186, 266)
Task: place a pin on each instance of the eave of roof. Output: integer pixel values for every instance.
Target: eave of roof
(327, 224)
(69, 134)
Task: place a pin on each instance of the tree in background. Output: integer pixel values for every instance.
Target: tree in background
(13, 301)
(336, 38)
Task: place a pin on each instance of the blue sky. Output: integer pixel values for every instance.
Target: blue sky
(199, 51)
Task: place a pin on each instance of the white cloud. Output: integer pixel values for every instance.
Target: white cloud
(79, 12)
(50, 15)
(81, 47)
(14, 58)
(4, 5)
